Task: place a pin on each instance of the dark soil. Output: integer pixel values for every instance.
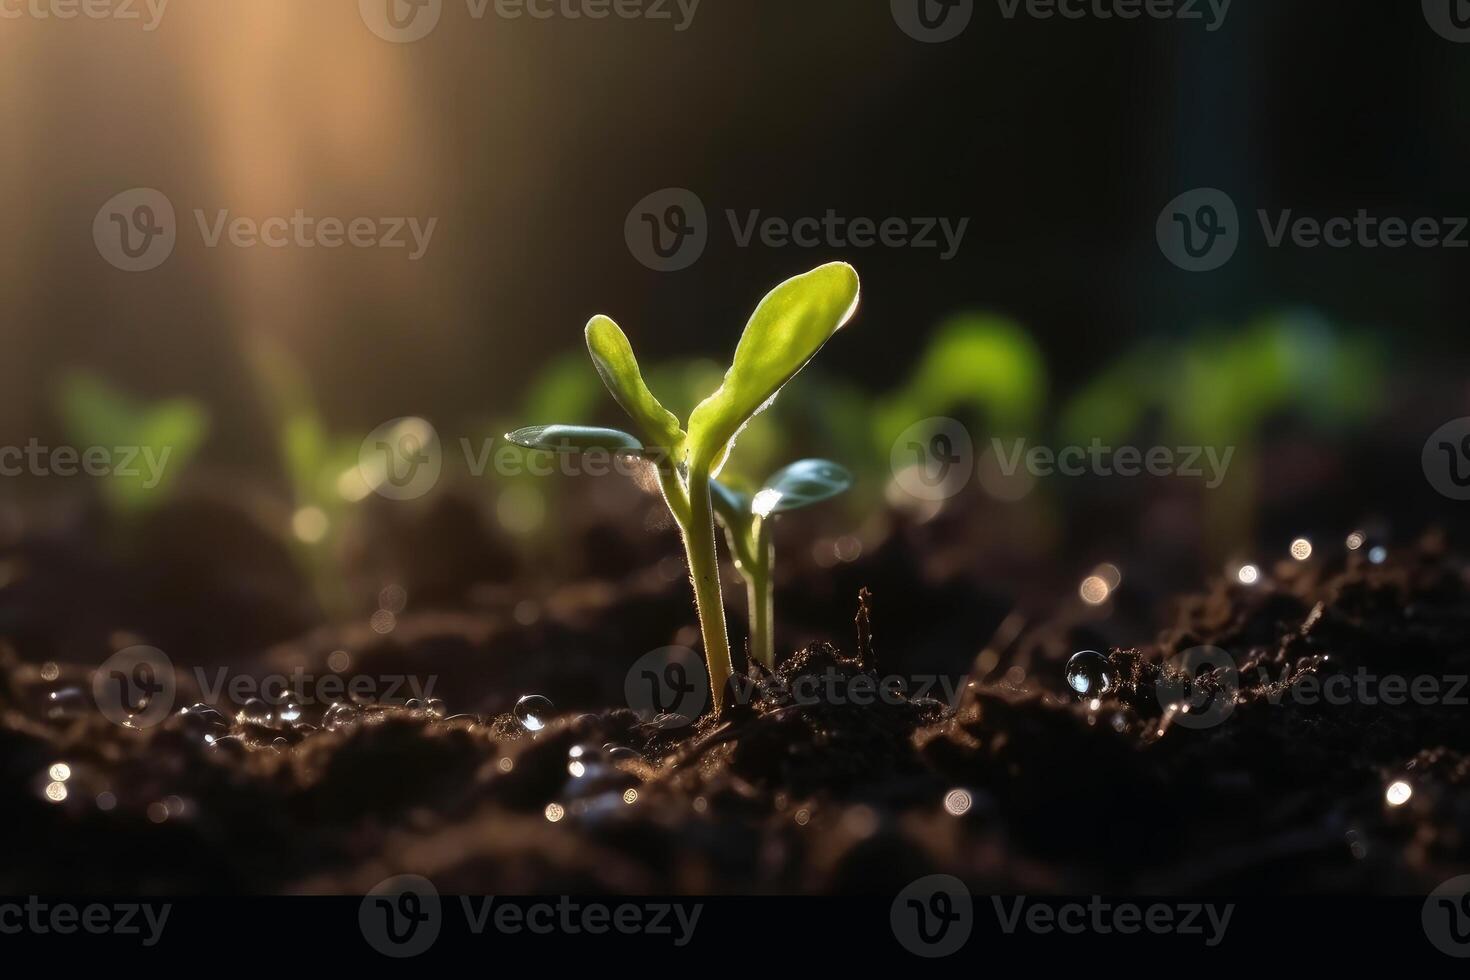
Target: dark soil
(1021, 786)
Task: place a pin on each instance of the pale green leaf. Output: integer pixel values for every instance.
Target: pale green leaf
(613, 356)
(787, 329)
(575, 440)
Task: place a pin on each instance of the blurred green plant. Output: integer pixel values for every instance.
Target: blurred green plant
(96, 414)
(321, 469)
(986, 364)
(748, 519)
(789, 326)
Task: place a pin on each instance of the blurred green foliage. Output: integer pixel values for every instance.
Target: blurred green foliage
(96, 414)
(1219, 387)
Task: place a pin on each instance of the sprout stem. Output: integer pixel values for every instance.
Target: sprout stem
(699, 545)
(760, 588)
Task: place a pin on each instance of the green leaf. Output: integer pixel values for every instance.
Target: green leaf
(165, 435)
(575, 439)
(613, 356)
(799, 485)
(787, 329)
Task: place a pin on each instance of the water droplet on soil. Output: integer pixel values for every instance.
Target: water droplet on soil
(338, 715)
(533, 711)
(620, 753)
(256, 712)
(437, 708)
(291, 710)
(1089, 674)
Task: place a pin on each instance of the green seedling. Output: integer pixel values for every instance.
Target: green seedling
(150, 443)
(789, 326)
(748, 519)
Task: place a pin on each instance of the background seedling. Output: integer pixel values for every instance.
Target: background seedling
(748, 519)
(169, 432)
(789, 326)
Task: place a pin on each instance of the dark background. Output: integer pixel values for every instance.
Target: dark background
(1061, 141)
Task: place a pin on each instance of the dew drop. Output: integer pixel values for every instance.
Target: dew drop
(1089, 674)
(256, 712)
(437, 708)
(291, 710)
(338, 716)
(533, 711)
